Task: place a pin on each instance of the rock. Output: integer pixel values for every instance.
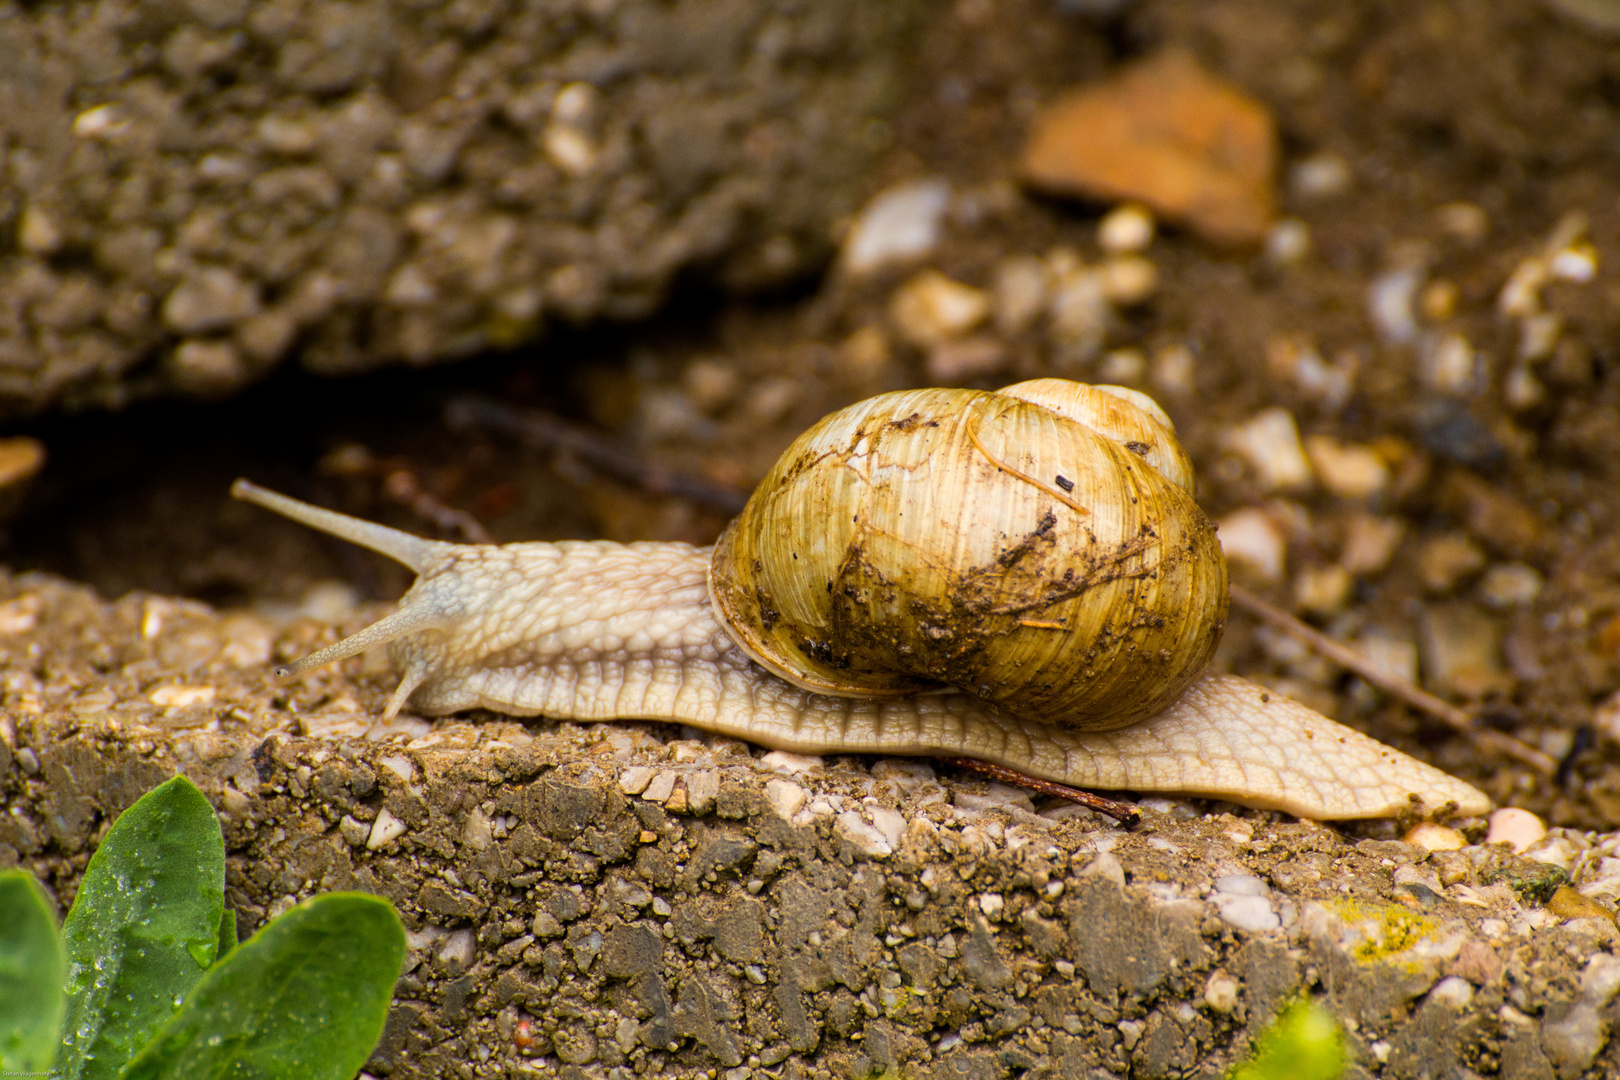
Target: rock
(899, 225)
(1125, 229)
(931, 309)
(1389, 304)
(1518, 829)
(1431, 836)
(1461, 651)
(1510, 585)
(1566, 903)
(1323, 175)
(1347, 470)
(1252, 537)
(1020, 292)
(1572, 1040)
(1287, 242)
(1447, 559)
(1269, 442)
(1167, 134)
(959, 361)
(1369, 543)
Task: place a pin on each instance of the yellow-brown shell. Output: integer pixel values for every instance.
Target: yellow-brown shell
(990, 542)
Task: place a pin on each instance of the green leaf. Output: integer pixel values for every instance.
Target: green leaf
(1304, 1043)
(303, 999)
(32, 969)
(143, 929)
(227, 935)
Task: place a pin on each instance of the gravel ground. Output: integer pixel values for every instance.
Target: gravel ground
(195, 192)
(1404, 407)
(642, 900)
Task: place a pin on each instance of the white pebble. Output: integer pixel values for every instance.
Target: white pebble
(1510, 585)
(793, 764)
(1241, 885)
(1389, 304)
(1451, 365)
(1252, 913)
(899, 225)
(1287, 242)
(1174, 369)
(1221, 992)
(1519, 829)
(931, 309)
(1347, 470)
(634, 780)
(1123, 366)
(386, 829)
(1269, 441)
(1538, 335)
(991, 904)
(785, 797)
(180, 697)
(1253, 538)
(1020, 292)
(861, 835)
(1320, 176)
(1577, 264)
(1521, 294)
(1125, 228)
(1453, 991)
(1127, 280)
(1432, 837)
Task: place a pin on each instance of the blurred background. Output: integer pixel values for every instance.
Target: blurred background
(484, 270)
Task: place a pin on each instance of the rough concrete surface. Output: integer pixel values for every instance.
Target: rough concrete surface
(633, 899)
(191, 189)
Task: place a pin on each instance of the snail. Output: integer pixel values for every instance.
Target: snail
(1021, 577)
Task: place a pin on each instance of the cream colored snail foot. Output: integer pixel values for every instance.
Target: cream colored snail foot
(600, 631)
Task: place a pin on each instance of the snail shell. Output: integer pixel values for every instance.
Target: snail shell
(1038, 548)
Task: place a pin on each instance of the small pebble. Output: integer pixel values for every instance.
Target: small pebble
(931, 309)
(1462, 651)
(1127, 228)
(1080, 312)
(1122, 366)
(1538, 335)
(1347, 470)
(180, 697)
(1320, 176)
(1434, 837)
(1370, 542)
(1519, 829)
(901, 224)
(1510, 585)
(1438, 300)
(1221, 992)
(1127, 280)
(1446, 560)
(1566, 903)
(1389, 654)
(959, 361)
(1577, 263)
(386, 829)
(1174, 370)
(1269, 442)
(1253, 538)
(1322, 590)
(1020, 292)
(1464, 220)
(1451, 366)
(1287, 242)
(1389, 304)
(21, 458)
(1452, 992)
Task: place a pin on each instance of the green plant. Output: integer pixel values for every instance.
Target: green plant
(146, 979)
(1303, 1043)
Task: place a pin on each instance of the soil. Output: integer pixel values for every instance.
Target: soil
(1461, 103)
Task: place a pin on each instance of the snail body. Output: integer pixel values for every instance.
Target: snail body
(852, 652)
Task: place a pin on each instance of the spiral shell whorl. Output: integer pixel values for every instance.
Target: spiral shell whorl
(958, 538)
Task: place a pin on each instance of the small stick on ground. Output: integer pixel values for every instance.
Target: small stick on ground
(1425, 702)
(544, 431)
(1122, 812)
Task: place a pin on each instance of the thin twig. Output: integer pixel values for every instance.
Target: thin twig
(401, 484)
(1348, 658)
(545, 431)
(1122, 812)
